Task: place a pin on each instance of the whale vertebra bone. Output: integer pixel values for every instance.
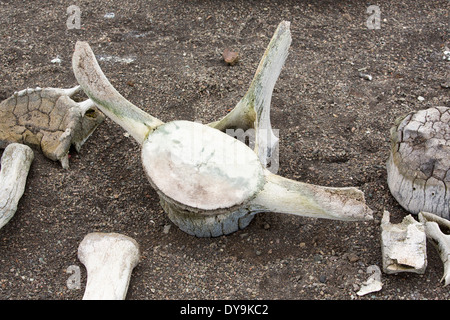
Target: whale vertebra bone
(209, 183)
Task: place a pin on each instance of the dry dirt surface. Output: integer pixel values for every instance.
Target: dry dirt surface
(166, 57)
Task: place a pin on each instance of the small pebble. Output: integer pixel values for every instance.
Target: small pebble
(352, 257)
(166, 229)
(56, 60)
(365, 76)
(446, 55)
(230, 57)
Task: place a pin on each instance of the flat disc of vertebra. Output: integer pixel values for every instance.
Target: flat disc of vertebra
(200, 167)
(419, 164)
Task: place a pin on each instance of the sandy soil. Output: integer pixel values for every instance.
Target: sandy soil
(334, 131)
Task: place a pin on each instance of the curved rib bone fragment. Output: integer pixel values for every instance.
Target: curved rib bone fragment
(15, 165)
(403, 245)
(419, 164)
(48, 120)
(253, 110)
(209, 183)
(109, 259)
(438, 231)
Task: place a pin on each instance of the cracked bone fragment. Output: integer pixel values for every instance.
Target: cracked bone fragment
(109, 259)
(373, 284)
(437, 230)
(209, 183)
(419, 163)
(403, 245)
(48, 120)
(15, 165)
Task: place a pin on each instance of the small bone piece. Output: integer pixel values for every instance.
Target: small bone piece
(209, 183)
(403, 245)
(15, 164)
(438, 231)
(419, 164)
(373, 284)
(109, 259)
(48, 120)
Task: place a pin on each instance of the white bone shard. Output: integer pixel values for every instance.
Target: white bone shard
(373, 284)
(109, 259)
(438, 231)
(403, 245)
(15, 165)
(209, 183)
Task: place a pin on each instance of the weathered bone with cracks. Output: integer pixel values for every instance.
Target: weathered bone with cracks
(109, 259)
(15, 165)
(438, 231)
(209, 183)
(419, 164)
(48, 120)
(403, 245)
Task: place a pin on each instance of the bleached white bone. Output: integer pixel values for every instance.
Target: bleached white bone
(438, 231)
(85, 106)
(403, 245)
(109, 259)
(15, 165)
(373, 284)
(209, 183)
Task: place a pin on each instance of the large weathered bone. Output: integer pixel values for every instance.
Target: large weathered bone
(419, 164)
(209, 183)
(109, 259)
(438, 231)
(48, 120)
(403, 245)
(15, 165)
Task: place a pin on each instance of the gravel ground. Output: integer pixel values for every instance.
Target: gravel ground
(166, 57)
